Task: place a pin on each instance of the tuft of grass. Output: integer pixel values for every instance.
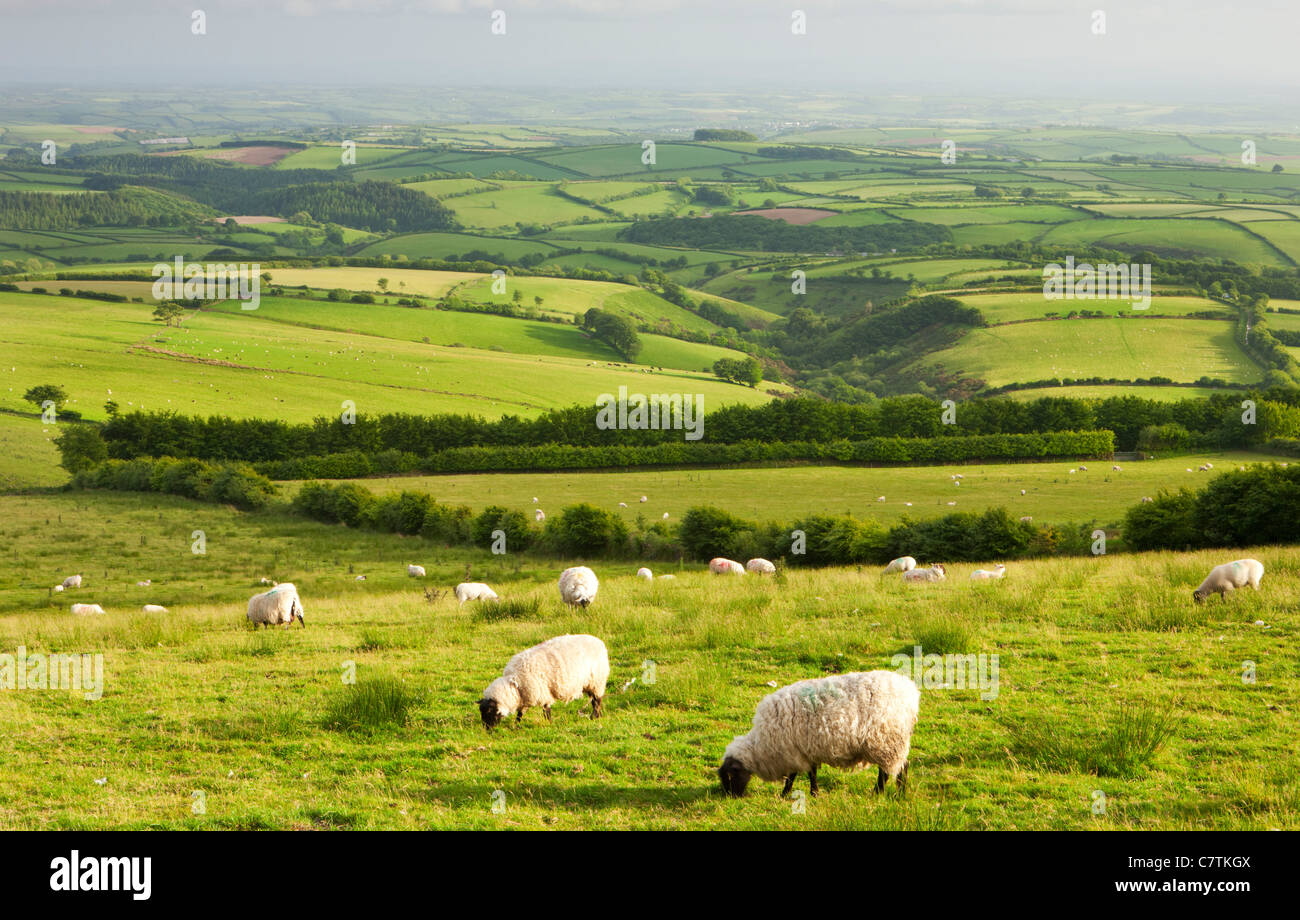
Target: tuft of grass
(944, 636)
(376, 638)
(515, 608)
(378, 703)
(1131, 740)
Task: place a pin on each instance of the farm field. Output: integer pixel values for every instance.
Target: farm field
(1084, 646)
(1025, 305)
(1053, 494)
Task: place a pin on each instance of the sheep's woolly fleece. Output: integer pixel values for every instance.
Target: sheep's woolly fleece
(1230, 576)
(279, 605)
(578, 585)
(474, 591)
(847, 720)
(559, 670)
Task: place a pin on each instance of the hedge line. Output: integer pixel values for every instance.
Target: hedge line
(350, 465)
(225, 483)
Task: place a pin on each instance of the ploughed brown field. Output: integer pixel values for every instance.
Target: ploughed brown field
(249, 156)
(797, 216)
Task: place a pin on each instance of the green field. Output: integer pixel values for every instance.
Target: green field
(1082, 644)
(1022, 305)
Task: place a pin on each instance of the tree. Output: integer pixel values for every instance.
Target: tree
(81, 447)
(1277, 167)
(47, 392)
(169, 313)
(383, 284)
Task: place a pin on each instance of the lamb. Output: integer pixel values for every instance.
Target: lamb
(415, 571)
(57, 588)
(578, 586)
(1115, 469)
(558, 670)
(985, 575)
(475, 591)
(645, 573)
(266, 581)
(153, 608)
(901, 564)
(82, 610)
(720, 566)
(1229, 577)
(539, 515)
(279, 605)
(846, 720)
(72, 581)
(935, 572)
(760, 567)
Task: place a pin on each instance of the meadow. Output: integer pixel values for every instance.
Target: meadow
(1109, 679)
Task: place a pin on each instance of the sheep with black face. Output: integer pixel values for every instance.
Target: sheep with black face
(558, 670)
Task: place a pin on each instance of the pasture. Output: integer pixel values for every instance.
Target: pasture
(1109, 679)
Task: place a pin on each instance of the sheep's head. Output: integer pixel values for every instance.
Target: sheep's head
(735, 778)
(490, 712)
(1199, 596)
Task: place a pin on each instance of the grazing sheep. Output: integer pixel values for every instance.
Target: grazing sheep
(266, 581)
(644, 499)
(1074, 471)
(153, 608)
(475, 591)
(984, 574)
(846, 720)
(534, 499)
(1202, 468)
(1209, 465)
(935, 572)
(1229, 577)
(1083, 468)
(578, 586)
(901, 564)
(665, 515)
(57, 588)
(1115, 469)
(539, 515)
(880, 498)
(952, 504)
(1026, 519)
(645, 573)
(415, 571)
(82, 610)
(1022, 491)
(760, 567)
(558, 670)
(622, 504)
(720, 566)
(144, 584)
(279, 605)
(72, 581)
(907, 504)
(1145, 499)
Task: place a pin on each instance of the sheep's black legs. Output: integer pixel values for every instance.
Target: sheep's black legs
(789, 784)
(597, 707)
(519, 716)
(881, 779)
(812, 779)
(902, 777)
(547, 710)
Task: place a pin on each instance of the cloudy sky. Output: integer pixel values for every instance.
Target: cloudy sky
(1152, 49)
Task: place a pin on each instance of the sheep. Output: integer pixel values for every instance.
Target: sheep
(1026, 519)
(153, 608)
(1228, 577)
(720, 566)
(1083, 468)
(845, 720)
(82, 610)
(622, 504)
(1202, 468)
(984, 574)
(1022, 491)
(266, 581)
(665, 517)
(760, 567)
(644, 499)
(57, 589)
(534, 499)
(1115, 469)
(475, 591)
(952, 504)
(935, 572)
(361, 578)
(880, 498)
(663, 577)
(901, 564)
(907, 504)
(1145, 499)
(144, 584)
(578, 586)
(72, 581)
(645, 573)
(1209, 465)
(1074, 471)
(539, 515)
(558, 670)
(415, 571)
(279, 605)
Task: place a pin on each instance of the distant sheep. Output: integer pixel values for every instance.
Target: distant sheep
(846, 720)
(57, 588)
(663, 577)
(935, 572)
(644, 499)
(153, 608)
(475, 591)
(578, 586)
(82, 610)
(760, 567)
(415, 571)
(880, 498)
(645, 573)
(1145, 499)
(1083, 468)
(720, 566)
(901, 564)
(539, 515)
(1229, 577)
(534, 499)
(985, 574)
(1115, 469)
(665, 515)
(72, 581)
(558, 670)
(1026, 519)
(1022, 491)
(266, 581)
(952, 504)
(144, 584)
(279, 605)
(622, 504)
(361, 578)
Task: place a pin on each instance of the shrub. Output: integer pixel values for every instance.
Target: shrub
(585, 530)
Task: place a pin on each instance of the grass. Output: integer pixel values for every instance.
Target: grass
(1157, 718)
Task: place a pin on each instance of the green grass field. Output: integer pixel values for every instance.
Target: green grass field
(1089, 650)
(1014, 306)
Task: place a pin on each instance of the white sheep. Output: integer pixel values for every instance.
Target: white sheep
(645, 573)
(144, 584)
(644, 499)
(415, 571)
(1229, 577)
(907, 504)
(720, 566)
(57, 589)
(760, 567)
(558, 670)
(534, 499)
(935, 572)
(153, 608)
(1145, 499)
(578, 586)
(82, 610)
(266, 581)
(985, 574)
(475, 591)
(1115, 469)
(539, 515)
(279, 605)
(1022, 491)
(951, 504)
(72, 581)
(622, 504)
(1209, 465)
(360, 578)
(1083, 468)
(665, 515)
(846, 720)
(901, 564)
(880, 498)
(1026, 519)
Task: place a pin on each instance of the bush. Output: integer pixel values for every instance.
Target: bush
(585, 530)
(514, 524)
(80, 448)
(447, 524)
(707, 532)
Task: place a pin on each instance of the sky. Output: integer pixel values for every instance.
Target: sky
(1152, 50)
